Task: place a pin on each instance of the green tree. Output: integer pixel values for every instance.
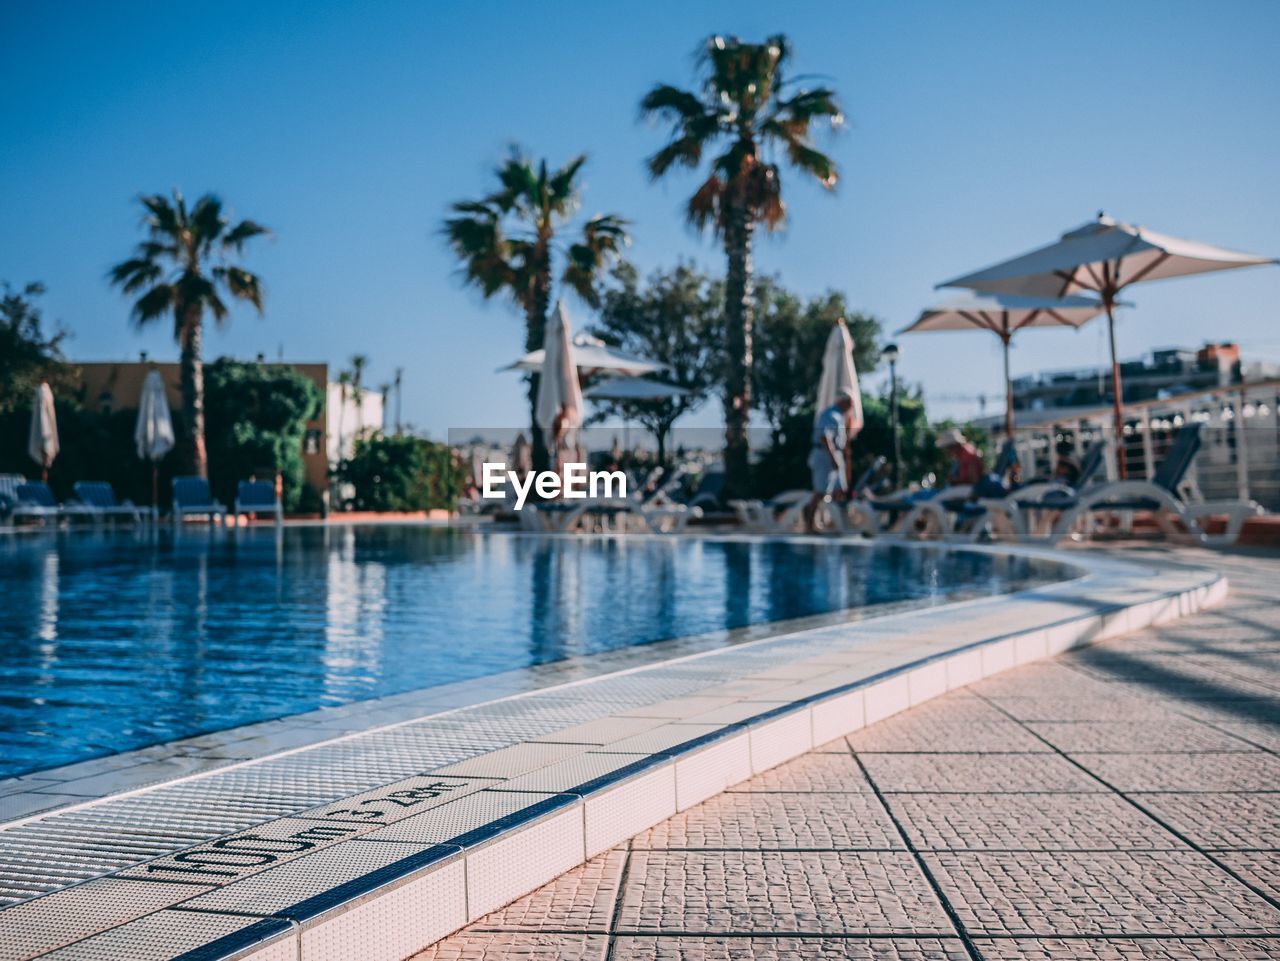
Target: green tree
(257, 416)
(791, 335)
(508, 242)
(673, 318)
(27, 354)
(745, 103)
(401, 473)
(183, 269)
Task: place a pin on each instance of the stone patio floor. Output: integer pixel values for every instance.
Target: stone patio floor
(1121, 801)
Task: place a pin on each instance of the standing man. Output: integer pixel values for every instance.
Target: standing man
(827, 462)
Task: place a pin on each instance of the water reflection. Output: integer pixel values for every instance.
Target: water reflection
(114, 640)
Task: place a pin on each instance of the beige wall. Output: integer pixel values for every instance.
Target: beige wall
(118, 385)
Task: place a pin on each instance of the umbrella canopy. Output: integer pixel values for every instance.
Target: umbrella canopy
(153, 433)
(592, 355)
(42, 438)
(559, 392)
(839, 373)
(1104, 256)
(1004, 315)
(634, 388)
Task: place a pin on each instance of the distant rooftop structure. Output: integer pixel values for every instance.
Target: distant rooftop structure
(1164, 373)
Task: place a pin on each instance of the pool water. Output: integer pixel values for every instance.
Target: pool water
(112, 641)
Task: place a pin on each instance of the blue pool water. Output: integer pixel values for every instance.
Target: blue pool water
(116, 641)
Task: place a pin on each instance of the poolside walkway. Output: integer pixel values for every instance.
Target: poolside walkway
(1120, 801)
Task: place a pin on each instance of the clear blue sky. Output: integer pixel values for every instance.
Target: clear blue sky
(977, 130)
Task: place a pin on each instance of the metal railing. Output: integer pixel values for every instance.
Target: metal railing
(1239, 456)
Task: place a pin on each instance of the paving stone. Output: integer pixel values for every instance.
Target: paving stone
(1129, 949)
(1042, 680)
(841, 892)
(838, 746)
(778, 821)
(1171, 735)
(581, 900)
(787, 949)
(1032, 822)
(1237, 820)
(1265, 736)
(811, 772)
(1231, 710)
(906, 734)
(1105, 894)
(1258, 868)
(977, 773)
(1071, 708)
(1185, 772)
(517, 947)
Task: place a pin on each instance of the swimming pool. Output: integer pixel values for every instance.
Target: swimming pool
(113, 641)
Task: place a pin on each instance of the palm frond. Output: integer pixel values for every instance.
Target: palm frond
(162, 217)
(807, 106)
(560, 186)
(671, 103)
(704, 207)
(155, 303)
(206, 221)
(683, 151)
(519, 183)
(237, 235)
(477, 240)
(242, 284)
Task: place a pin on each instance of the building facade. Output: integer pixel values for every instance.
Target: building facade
(117, 385)
(1163, 374)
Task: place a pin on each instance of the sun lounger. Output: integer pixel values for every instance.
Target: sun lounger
(1177, 518)
(36, 500)
(9, 492)
(1029, 511)
(100, 496)
(191, 497)
(781, 514)
(255, 497)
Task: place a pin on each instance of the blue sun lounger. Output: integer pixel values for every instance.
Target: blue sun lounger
(191, 497)
(101, 498)
(36, 500)
(255, 497)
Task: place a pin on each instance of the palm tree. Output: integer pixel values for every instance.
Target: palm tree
(358, 363)
(745, 104)
(507, 243)
(344, 382)
(182, 269)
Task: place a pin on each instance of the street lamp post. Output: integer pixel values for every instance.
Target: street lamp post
(890, 354)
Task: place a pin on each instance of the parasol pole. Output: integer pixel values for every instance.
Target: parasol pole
(1005, 336)
(1109, 301)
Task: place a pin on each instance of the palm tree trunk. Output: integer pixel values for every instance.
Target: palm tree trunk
(738, 330)
(192, 382)
(535, 334)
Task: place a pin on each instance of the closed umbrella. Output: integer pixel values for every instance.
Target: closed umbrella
(42, 438)
(559, 392)
(1004, 315)
(1104, 256)
(839, 373)
(153, 433)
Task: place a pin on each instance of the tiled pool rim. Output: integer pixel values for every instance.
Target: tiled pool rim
(433, 872)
